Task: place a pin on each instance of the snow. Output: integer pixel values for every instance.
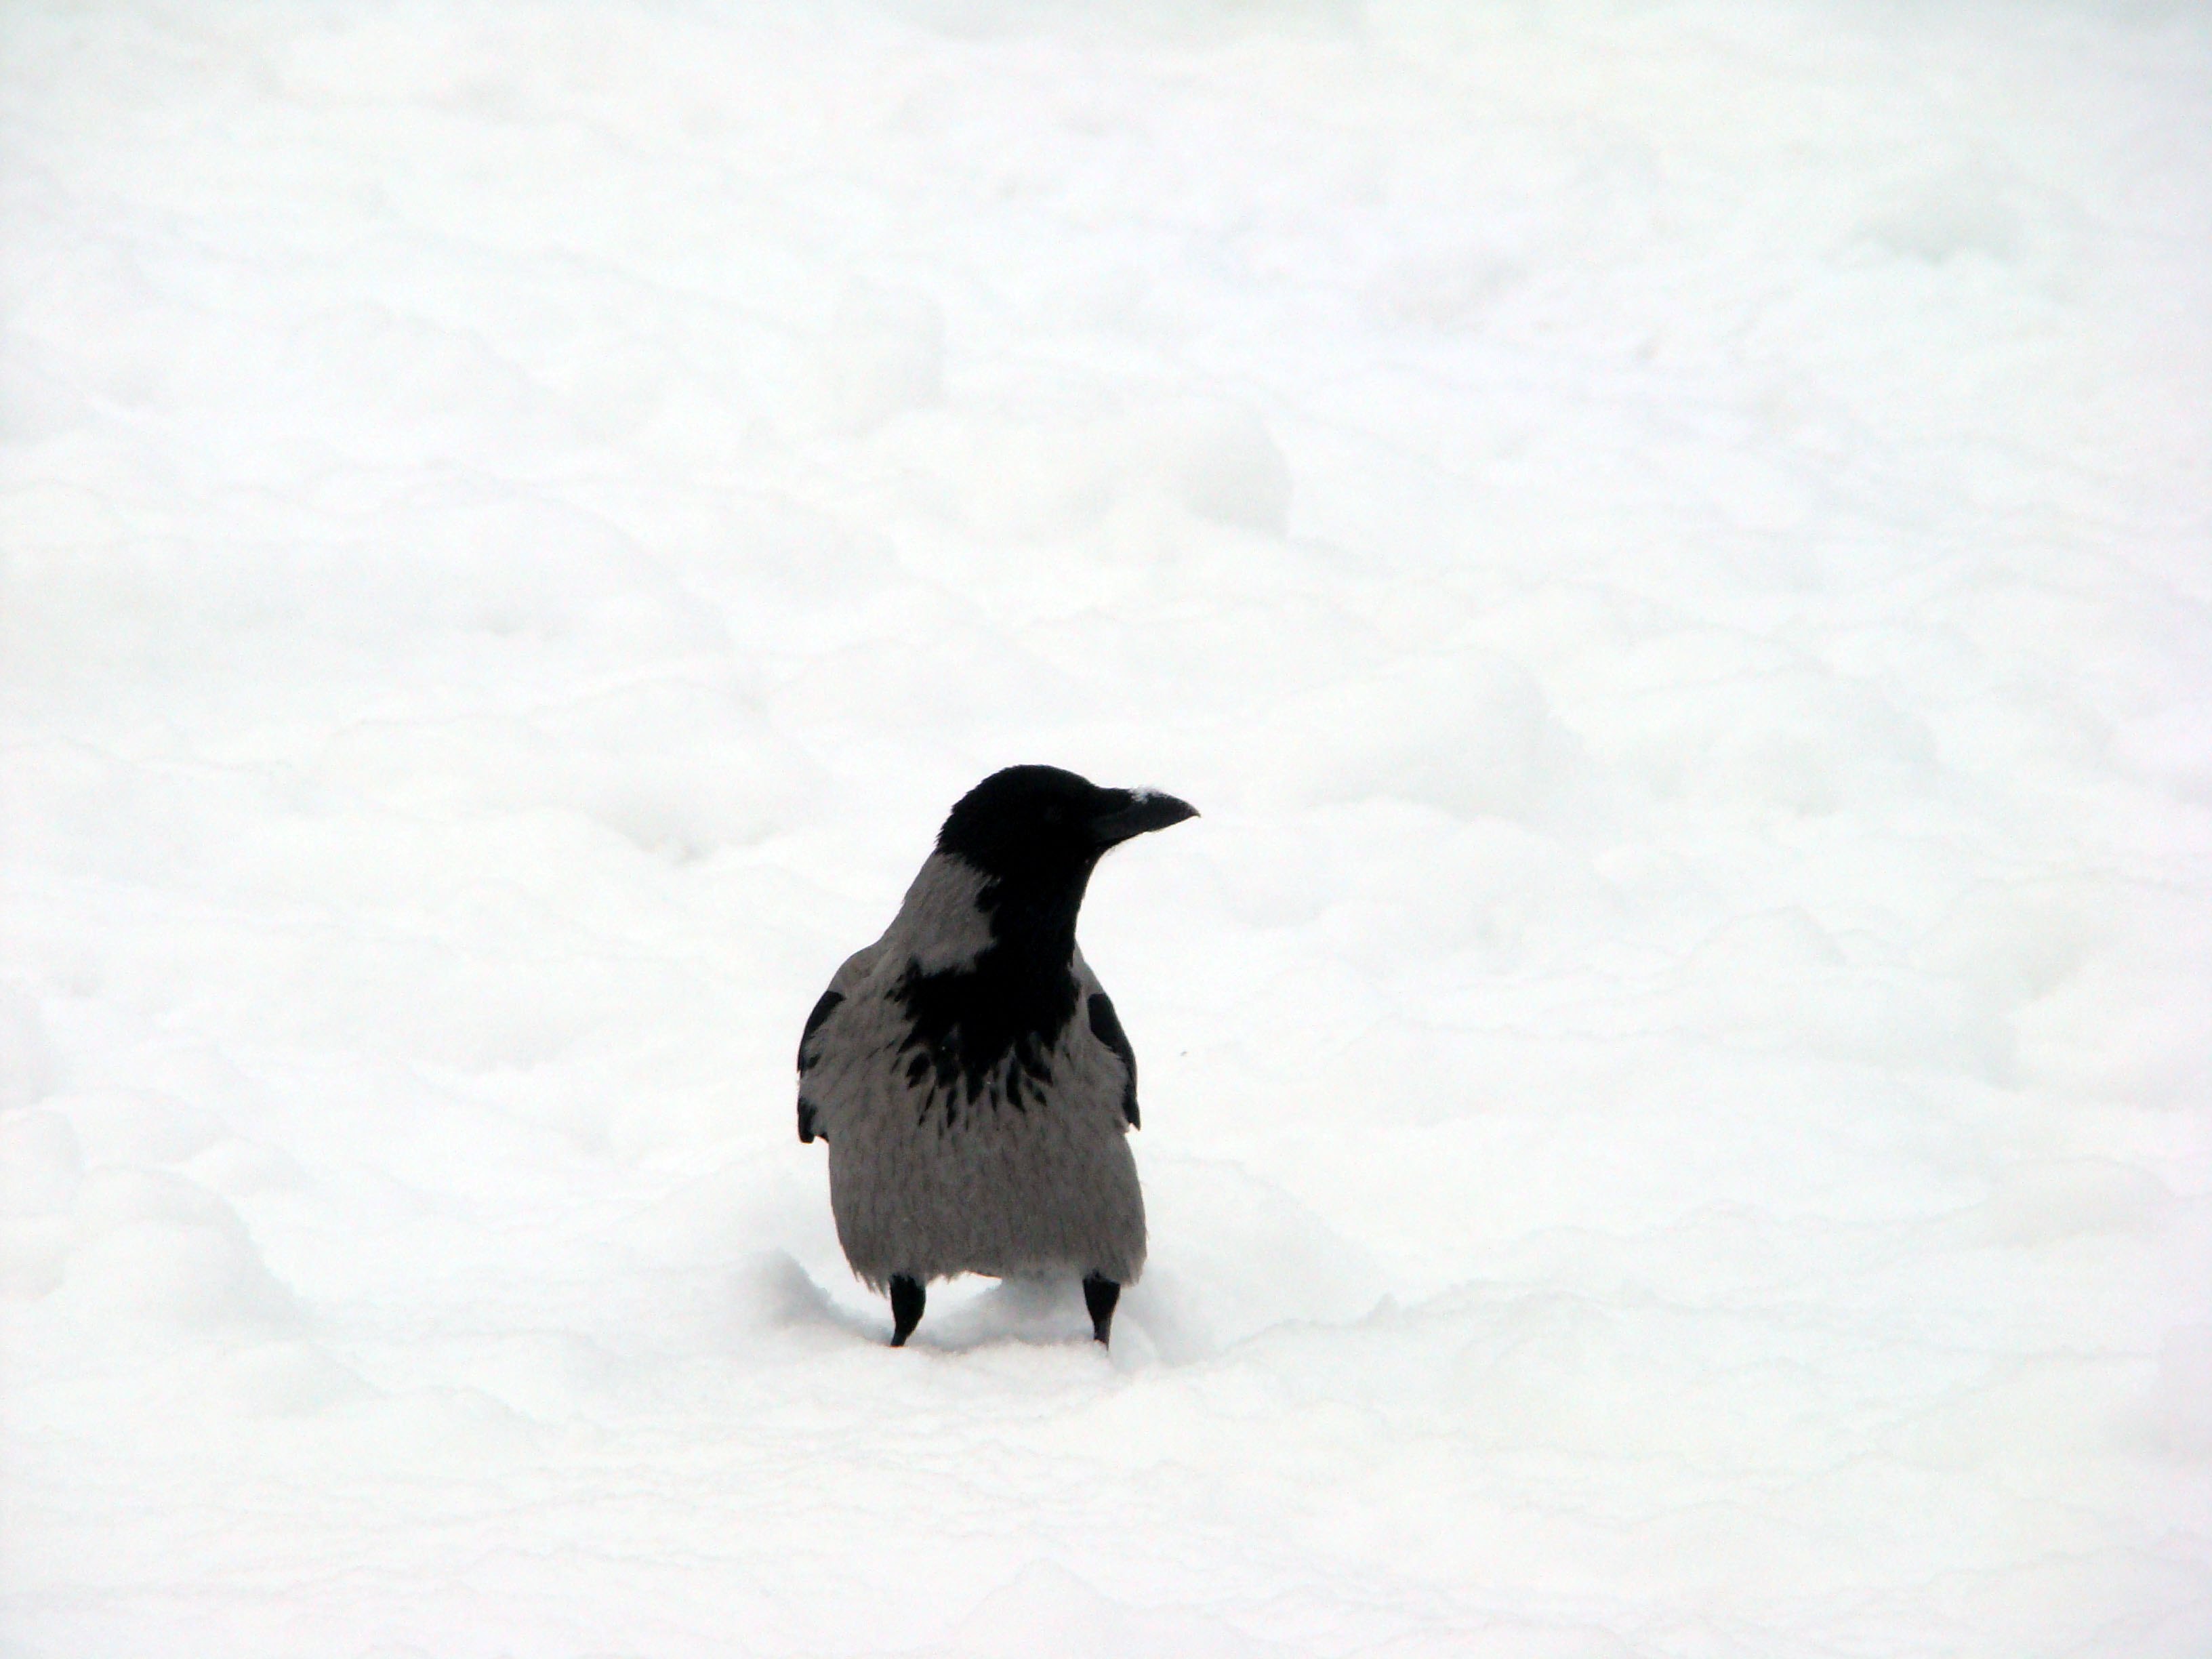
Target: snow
(1668, 542)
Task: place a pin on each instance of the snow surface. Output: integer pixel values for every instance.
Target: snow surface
(1669, 542)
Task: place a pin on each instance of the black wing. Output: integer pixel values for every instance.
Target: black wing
(823, 1010)
(1106, 1026)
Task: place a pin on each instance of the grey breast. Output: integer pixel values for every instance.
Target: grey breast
(1032, 1176)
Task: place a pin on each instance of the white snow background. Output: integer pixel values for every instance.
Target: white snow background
(1668, 542)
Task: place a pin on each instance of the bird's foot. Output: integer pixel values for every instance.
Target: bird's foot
(907, 1297)
(1099, 1295)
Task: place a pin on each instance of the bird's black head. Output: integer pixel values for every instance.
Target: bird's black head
(1038, 824)
(1038, 832)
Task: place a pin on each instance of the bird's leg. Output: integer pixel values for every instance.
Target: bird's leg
(906, 1308)
(1099, 1295)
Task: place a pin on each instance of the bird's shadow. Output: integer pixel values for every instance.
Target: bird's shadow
(775, 1293)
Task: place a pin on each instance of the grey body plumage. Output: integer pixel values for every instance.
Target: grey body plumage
(968, 1070)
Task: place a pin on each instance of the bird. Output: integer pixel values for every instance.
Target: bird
(967, 1072)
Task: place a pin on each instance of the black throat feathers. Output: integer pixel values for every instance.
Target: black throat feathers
(1014, 999)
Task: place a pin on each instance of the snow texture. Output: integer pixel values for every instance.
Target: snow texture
(1667, 538)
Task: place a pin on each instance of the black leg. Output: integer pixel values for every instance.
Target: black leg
(1099, 1295)
(906, 1308)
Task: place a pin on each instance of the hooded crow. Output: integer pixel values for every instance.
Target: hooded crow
(969, 1072)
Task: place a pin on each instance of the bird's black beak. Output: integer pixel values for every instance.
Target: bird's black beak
(1127, 813)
